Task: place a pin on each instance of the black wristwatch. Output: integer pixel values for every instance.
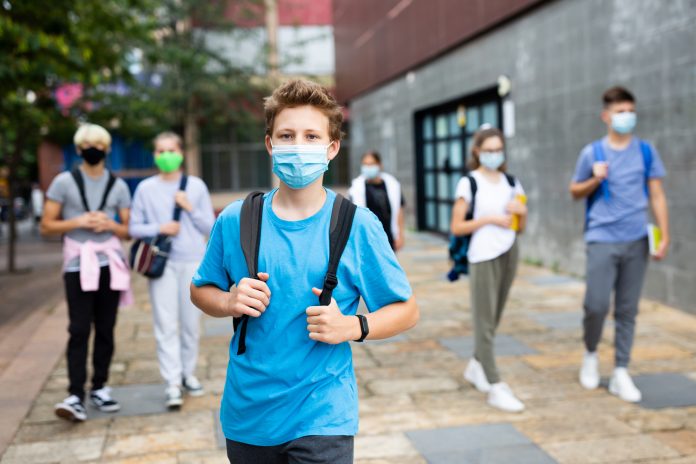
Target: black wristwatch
(364, 328)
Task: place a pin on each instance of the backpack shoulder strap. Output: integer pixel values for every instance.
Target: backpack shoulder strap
(109, 185)
(342, 217)
(474, 189)
(182, 188)
(646, 151)
(603, 189)
(250, 238)
(80, 181)
(510, 179)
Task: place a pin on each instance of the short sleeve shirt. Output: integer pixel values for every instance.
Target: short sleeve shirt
(65, 191)
(622, 215)
(489, 241)
(287, 385)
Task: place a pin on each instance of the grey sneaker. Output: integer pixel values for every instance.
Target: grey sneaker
(192, 386)
(72, 409)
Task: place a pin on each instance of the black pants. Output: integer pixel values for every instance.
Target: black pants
(84, 309)
(315, 449)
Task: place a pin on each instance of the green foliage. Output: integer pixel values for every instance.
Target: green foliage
(98, 44)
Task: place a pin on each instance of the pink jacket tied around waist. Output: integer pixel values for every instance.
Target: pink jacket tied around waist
(89, 265)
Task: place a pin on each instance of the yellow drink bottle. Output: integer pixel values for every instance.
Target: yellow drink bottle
(516, 217)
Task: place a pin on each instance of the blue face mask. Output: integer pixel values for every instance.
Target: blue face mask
(297, 166)
(623, 123)
(369, 171)
(492, 160)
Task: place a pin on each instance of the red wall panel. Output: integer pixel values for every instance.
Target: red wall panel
(379, 40)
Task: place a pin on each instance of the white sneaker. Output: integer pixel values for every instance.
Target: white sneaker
(589, 372)
(475, 375)
(501, 397)
(72, 409)
(174, 397)
(622, 386)
(192, 386)
(102, 400)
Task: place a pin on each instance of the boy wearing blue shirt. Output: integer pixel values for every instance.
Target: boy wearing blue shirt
(620, 176)
(292, 395)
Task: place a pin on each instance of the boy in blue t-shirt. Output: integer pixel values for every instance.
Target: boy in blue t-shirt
(620, 175)
(292, 395)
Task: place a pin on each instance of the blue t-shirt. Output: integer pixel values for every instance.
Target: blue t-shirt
(623, 216)
(286, 385)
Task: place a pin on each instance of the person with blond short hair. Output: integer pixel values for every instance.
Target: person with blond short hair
(89, 207)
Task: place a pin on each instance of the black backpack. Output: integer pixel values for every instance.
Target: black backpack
(250, 237)
(459, 244)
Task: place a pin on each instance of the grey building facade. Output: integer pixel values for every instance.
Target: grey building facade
(559, 57)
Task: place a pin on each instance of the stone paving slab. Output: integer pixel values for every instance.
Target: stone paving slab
(490, 444)
(505, 345)
(666, 390)
(550, 280)
(135, 400)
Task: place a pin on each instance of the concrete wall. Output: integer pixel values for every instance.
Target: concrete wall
(560, 58)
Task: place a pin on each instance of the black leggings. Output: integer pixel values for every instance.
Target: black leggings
(315, 449)
(84, 309)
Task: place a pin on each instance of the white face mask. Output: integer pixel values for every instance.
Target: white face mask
(299, 165)
(492, 160)
(369, 171)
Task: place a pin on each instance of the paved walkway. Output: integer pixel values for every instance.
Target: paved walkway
(415, 405)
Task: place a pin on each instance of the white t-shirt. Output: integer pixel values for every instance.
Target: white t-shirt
(490, 241)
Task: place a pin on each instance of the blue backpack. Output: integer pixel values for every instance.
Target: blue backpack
(599, 156)
(459, 244)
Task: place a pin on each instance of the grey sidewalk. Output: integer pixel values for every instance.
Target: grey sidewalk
(415, 405)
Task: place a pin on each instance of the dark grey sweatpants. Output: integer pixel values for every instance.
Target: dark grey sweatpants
(618, 267)
(314, 449)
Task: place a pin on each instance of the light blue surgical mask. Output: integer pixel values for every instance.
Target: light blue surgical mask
(297, 166)
(624, 123)
(369, 171)
(492, 159)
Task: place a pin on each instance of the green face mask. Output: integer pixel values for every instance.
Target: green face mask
(169, 161)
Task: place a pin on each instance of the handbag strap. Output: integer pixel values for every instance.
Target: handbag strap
(182, 188)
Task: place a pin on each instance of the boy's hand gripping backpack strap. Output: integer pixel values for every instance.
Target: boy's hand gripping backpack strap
(250, 238)
(341, 222)
(80, 181)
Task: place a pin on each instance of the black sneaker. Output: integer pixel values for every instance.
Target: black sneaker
(102, 400)
(71, 409)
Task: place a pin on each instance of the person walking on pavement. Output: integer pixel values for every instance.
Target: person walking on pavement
(497, 200)
(176, 319)
(380, 192)
(82, 206)
(619, 176)
(291, 393)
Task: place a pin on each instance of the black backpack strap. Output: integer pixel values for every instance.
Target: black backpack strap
(510, 179)
(474, 187)
(182, 187)
(341, 222)
(80, 181)
(109, 185)
(250, 239)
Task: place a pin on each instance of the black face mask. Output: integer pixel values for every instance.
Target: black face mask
(93, 155)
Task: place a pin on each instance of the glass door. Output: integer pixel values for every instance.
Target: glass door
(443, 144)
